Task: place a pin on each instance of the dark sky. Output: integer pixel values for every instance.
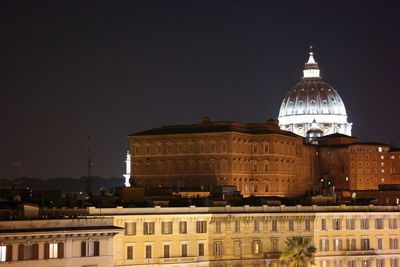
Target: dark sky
(69, 69)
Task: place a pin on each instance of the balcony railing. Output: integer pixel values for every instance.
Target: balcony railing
(272, 255)
(360, 252)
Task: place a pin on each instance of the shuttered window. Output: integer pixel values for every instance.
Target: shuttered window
(5, 253)
(28, 252)
(90, 249)
(54, 250)
(130, 228)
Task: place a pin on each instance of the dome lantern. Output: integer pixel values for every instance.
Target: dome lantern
(311, 69)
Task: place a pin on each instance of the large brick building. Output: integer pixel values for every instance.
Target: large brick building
(259, 159)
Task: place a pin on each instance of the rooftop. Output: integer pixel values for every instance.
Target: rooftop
(270, 127)
(241, 209)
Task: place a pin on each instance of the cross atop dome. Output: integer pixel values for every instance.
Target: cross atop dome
(311, 69)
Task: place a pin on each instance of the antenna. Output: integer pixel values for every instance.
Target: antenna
(88, 183)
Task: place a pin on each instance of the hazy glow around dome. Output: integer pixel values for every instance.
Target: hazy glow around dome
(312, 99)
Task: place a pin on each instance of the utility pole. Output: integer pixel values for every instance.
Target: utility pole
(88, 183)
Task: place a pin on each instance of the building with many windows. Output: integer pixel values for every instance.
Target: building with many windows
(57, 242)
(259, 159)
(345, 236)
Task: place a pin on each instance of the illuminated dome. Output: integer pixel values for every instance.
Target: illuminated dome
(312, 99)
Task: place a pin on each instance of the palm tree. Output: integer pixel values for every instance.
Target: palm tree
(298, 252)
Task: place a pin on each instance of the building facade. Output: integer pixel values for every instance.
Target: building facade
(259, 159)
(351, 165)
(345, 236)
(57, 242)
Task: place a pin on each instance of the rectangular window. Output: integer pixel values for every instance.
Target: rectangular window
(201, 249)
(266, 168)
(291, 225)
(379, 223)
(393, 243)
(323, 224)
(28, 252)
(255, 149)
(184, 250)
(274, 245)
(365, 244)
(166, 228)
(218, 226)
(324, 263)
(148, 251)
(53, 250)
(379, 243)
(201, 227)
(337, 224)
(394, 262)
(166, 251)
(351, 244)
(337, 244)
(237, 226)
(183, 227)
(255, 167)
(364, 224)
(256, 247)
(324, 244)
(351, 263)
(256, 225)
(90, 248)
(130, 228)
(129, 252)
(3, 253)
(148, 228)
(218, 248)
(365, 263)
(337, 263)
(393, 223)
(237, 248)
(307, 224)
(380, 262)
(350, 224)
(274, 225)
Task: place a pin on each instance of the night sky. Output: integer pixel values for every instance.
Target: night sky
(69, 69)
